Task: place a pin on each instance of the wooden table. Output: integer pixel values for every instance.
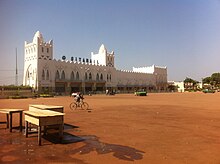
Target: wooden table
(9, 113)
(46, 107)
(43, 118)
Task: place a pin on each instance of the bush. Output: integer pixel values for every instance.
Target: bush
(18, 97)
(46, 95)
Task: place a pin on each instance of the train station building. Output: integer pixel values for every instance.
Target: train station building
(95, 74)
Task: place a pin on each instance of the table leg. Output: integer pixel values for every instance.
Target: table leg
(26, 129)
(61, 132)
(21, 121)
(39, 135)
(10, 120)
(7, 123)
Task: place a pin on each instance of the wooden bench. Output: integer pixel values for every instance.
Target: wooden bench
(9, 114)
(46, 107)
(42, 118)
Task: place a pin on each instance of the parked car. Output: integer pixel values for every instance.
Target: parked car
(140, 92)
(208, 91)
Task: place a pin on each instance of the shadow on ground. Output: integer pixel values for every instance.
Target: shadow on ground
(92, 143)
(67, 137)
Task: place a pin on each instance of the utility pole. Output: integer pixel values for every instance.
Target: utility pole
(16, 71)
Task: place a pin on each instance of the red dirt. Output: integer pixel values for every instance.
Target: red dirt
(158, 128)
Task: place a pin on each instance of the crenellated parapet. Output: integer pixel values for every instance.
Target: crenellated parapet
(78, 62)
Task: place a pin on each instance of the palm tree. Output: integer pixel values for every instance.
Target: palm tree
(190, 84)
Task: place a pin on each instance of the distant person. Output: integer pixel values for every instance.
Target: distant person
(78, 97)
(107, 92)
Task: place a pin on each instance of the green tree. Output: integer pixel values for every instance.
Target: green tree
(172, 87)
(190, 83)
(206, 80)
(215, 79)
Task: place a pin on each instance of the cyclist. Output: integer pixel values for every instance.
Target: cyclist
(78, 97)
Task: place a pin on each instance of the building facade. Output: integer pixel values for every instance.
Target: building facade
(45, 74)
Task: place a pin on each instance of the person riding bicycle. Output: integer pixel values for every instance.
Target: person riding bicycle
(78, 102)
(78, 97)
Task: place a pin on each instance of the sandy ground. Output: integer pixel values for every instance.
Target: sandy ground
(159, 128)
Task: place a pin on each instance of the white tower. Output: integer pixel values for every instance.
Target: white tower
(33, 54)
(103, 57)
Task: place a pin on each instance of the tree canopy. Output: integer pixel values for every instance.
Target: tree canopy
(214, 79)
(189, 80)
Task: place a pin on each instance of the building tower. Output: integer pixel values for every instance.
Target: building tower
(34, 53)
(103, 57)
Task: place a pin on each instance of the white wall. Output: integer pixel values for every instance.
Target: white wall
(39, 59)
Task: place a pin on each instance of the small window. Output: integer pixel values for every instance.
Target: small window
(97, 77)
(63, 75)
(77, 75)
(47, 50)
(90, 76)
(47, 75)
(86, 76)
(72, 76)
(42, 49)
(57, 75)
(43, 75)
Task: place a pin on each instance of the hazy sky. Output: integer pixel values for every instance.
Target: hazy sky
(183, 35)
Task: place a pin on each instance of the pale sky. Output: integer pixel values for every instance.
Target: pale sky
(183, 35)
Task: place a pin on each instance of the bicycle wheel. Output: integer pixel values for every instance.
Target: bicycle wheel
(85, 106)
(73, 106)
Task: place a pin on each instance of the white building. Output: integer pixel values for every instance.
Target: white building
(178, 84)
(46, 74)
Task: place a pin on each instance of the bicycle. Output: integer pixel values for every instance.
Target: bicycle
(81, 103)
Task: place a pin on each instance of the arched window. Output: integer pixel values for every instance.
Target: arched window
(107, 77)
(47, 75)
(57, 75)
(63, 75)
(86, 76)
(72, 76)
(90, 76)
(43, 75)
(77, 75)
(101, 77)
(97, 77)
(110, 77)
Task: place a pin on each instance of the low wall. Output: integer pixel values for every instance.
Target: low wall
(7, 93)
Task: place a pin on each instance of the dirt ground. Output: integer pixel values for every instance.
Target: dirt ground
(159, 128)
